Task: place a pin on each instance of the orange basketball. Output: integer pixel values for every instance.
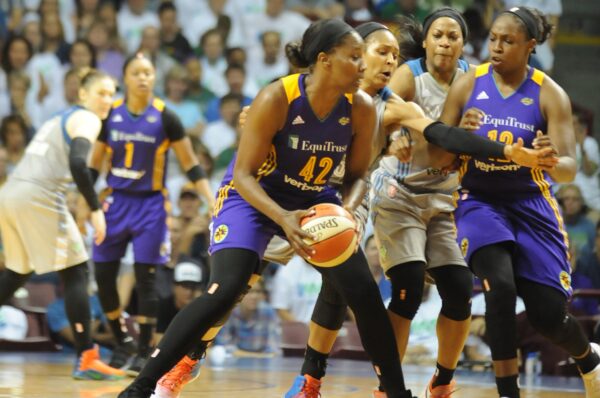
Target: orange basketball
(335, 235)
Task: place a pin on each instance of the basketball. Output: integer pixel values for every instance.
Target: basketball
(335, 235)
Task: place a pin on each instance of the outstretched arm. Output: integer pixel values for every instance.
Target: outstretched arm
(456, 140)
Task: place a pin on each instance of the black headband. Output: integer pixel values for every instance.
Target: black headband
(329, 36)
(449, 13)
(528, 20)
(365, 29)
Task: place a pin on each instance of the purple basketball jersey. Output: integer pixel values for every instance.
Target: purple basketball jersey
(304, 153)
(138, 145)
(506, 119)
(503, 202)
(303, 156)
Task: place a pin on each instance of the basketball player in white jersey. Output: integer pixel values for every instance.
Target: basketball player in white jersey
(39, 233)
(412, 207)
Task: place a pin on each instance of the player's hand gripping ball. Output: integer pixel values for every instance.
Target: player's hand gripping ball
(335, 234)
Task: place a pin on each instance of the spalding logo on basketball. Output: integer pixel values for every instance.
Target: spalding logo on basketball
(334, 231)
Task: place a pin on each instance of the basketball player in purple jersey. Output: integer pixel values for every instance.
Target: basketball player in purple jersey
(297, 133)
(137, 135)
(509, 225)
(37, 228)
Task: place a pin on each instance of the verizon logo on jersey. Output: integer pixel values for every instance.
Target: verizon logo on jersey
(301, 185)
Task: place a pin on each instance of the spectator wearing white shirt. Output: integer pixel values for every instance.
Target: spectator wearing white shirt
(220, 135)
(202, 22)
(358, 10)
(317, 9)
(289, 24)
(56, 103)
(587, 156)
(176, 86)
(270, 65)
(235, 76)
(213, 62)
(295, 290)
(150, 46)
(131, 21)
(45, 71)
(31, 30)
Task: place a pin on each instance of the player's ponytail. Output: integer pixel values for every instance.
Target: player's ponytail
(410, 38)
(294, 55)
(320, 37)
(545, 28)
(536, 24)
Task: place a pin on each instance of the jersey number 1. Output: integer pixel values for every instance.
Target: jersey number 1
(128, 154)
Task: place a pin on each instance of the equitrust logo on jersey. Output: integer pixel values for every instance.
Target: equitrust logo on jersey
(138, 136)
(509, 121)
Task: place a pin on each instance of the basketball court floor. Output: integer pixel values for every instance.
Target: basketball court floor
(47, 375)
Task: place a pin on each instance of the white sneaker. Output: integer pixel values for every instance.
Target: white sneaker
(591, 380)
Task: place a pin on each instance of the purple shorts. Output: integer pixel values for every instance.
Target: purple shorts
(239, 225)
(140, 218)
(535, 226)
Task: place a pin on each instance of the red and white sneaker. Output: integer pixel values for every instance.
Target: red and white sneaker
(171, 384)
(442, 391)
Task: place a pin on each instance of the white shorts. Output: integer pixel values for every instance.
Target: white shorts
(38, 232)
(414, 227)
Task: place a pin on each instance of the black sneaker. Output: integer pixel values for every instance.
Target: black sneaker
(136, 365)
(136, 391)
(122, 354)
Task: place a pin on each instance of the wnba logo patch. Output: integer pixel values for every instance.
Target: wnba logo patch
(220, 233)
(527, 101)
(464, 246)
(565, 280)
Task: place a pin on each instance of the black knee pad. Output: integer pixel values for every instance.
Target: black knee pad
(407, 288)
(547, 311)
(106, 278)
(501, 323)
(455, 286)
(330, 309)
(145, 284)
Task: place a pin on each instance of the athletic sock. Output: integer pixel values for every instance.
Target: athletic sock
(588, 362)
(443, 376)
(508, 386)
(315, 363)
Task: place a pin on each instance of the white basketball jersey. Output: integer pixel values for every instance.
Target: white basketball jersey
(430, 96)
(46, 159)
